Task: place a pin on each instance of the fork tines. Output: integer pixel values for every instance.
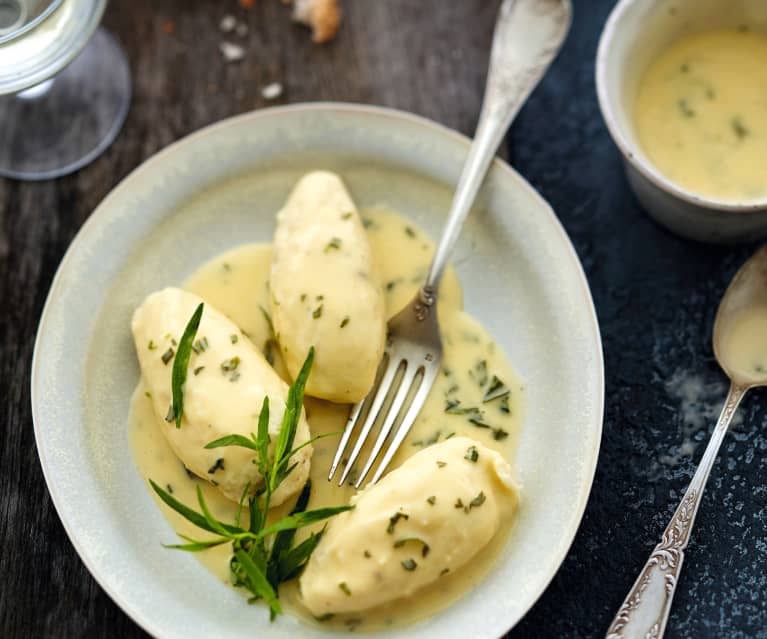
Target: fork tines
(399, 379)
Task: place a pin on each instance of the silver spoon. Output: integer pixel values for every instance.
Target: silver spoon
(528, 34)
(740, 347)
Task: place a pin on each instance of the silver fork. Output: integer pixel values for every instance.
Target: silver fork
(528, 35)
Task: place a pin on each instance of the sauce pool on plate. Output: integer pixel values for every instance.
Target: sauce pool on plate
(236, 284)
(701, 114)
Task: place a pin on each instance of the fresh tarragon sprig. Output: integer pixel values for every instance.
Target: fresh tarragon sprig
(263, 556)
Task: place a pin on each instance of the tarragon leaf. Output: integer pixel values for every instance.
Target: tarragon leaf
(196, 545)
(259, 585)
(181, 364)
(292, 415)
(216, 525)
(284, 539)
(299, 520)
(191, 515)
(292, 561)
(262, 439)
(232, 440)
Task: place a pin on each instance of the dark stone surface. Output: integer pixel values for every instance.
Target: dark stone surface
(656, 297)
(655, 294)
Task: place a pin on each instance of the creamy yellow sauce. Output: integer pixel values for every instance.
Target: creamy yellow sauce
(744, 345)
(236, 283)
(701, 114)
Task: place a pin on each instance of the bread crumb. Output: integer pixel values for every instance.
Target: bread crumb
(323, 16)
(272, 91)
(169, 26)
(227, 23)
(231, 52)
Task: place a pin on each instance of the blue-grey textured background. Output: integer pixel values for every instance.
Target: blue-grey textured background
(656, 297)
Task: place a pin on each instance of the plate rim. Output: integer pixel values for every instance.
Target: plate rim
(102, 209)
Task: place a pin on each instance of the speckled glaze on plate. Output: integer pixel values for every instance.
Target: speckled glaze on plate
(221, 187)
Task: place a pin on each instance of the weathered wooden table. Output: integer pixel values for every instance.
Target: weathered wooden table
(655, 296)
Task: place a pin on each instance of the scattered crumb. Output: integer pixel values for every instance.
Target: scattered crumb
(323, 16)
(169, 26)
(241, 29)
(228, 22)
(699, 405)
(231, 52)
(247, 4)
(272, 91)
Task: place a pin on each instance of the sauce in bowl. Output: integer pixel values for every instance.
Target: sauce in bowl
(701, 114)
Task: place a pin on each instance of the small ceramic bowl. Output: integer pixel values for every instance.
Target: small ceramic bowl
(635, 33)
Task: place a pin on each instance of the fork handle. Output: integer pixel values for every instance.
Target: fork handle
(528, 34)
(645, 610)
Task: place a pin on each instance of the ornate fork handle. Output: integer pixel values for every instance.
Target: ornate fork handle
(645, 610)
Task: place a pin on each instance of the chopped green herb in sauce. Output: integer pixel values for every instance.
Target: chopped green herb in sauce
(151, 345)
(409, 564)
(219, 465)
(432, 500)
(479, 373)
(496, 390)
(344, 321)
(479, 422)
(685, 109)
(229, 365)
(417, 540)
(333, 245)
(477, 501)
(739, 128)
(167, 356)
(317, 313)
(472, 454)
(393, 521)
(200, 345)
(390, 285)
(234, 338)
(345, 589)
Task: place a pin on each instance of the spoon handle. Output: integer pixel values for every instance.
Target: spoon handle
(645, 610)
(528, 34)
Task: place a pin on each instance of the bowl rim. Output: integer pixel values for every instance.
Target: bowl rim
(630, 152)
(328, 106)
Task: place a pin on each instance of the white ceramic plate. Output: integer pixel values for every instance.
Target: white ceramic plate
(221, 187)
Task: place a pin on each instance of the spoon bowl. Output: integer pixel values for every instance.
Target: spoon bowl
(740, 328)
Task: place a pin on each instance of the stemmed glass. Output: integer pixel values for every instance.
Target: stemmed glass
(64, 87)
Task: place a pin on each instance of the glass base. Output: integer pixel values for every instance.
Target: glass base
(62, 124)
